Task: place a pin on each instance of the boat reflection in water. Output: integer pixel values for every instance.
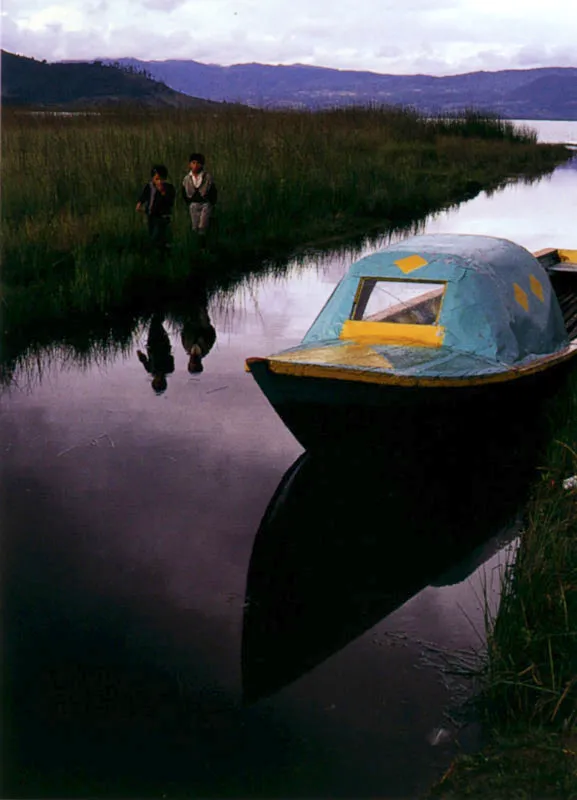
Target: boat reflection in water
(345, 542)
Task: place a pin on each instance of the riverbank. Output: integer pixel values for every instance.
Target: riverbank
(528, 697)
(72, 241)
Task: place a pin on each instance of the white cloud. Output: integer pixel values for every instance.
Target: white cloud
(431, 36)
(66, 19)
(167, 5)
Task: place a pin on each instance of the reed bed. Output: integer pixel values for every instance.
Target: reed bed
(71, 237)
(528, 698)
(532, 640)
(532, 660)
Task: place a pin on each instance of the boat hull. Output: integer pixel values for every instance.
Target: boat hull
(325, 413)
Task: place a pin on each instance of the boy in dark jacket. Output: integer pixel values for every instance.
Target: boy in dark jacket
(157, 202)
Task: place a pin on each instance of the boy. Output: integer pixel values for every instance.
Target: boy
(199, 193)
(157, 201)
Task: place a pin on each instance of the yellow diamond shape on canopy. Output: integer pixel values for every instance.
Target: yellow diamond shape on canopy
(536, 288)
(521, 296)
(411, 263)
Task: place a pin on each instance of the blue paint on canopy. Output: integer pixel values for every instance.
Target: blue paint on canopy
(480, 312)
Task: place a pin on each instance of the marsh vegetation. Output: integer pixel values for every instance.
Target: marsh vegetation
(528, 696)
(72, 242)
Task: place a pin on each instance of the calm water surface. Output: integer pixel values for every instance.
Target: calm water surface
(164, 637)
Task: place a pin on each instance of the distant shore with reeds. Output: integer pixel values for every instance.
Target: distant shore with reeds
(73, 243)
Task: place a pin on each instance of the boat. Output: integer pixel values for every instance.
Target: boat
(430, 329)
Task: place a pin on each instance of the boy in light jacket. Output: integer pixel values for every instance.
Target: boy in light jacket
(199, 193)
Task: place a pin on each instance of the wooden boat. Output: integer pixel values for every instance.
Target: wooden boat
(428, 327)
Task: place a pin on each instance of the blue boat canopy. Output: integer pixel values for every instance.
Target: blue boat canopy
(493, 298)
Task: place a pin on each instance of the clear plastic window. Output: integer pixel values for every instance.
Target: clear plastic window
(406, 302)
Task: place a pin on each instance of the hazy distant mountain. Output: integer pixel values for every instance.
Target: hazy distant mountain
(546, 93)
(27, 82)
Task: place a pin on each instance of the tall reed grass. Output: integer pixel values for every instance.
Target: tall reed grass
(532, 641)
(72, 240)
(528, 698)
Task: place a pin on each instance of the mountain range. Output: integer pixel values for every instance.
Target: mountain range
(545, 93)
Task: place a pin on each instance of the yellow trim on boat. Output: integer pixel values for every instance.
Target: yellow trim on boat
(567, 256)
(388, 379)
(352, 354)
(393, 333)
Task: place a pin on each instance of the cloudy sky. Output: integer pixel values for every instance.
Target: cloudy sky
(436, 37)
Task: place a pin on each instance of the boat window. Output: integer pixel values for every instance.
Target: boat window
(407, 302)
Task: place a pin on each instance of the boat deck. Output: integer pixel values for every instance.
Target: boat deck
(561, 265)
(568, 301)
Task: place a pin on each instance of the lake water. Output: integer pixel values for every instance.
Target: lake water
(552, 130)
(164, 637)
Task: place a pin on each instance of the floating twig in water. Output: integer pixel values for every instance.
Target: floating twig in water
(92, 443)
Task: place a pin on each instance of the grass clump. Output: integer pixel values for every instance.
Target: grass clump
(528, 700)
(532, 658)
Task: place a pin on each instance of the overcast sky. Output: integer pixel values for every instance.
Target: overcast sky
(436, 37)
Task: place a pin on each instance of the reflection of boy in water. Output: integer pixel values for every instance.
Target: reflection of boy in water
(159, 361)
(198, 337)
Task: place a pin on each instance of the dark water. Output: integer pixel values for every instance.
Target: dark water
(194, 608)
